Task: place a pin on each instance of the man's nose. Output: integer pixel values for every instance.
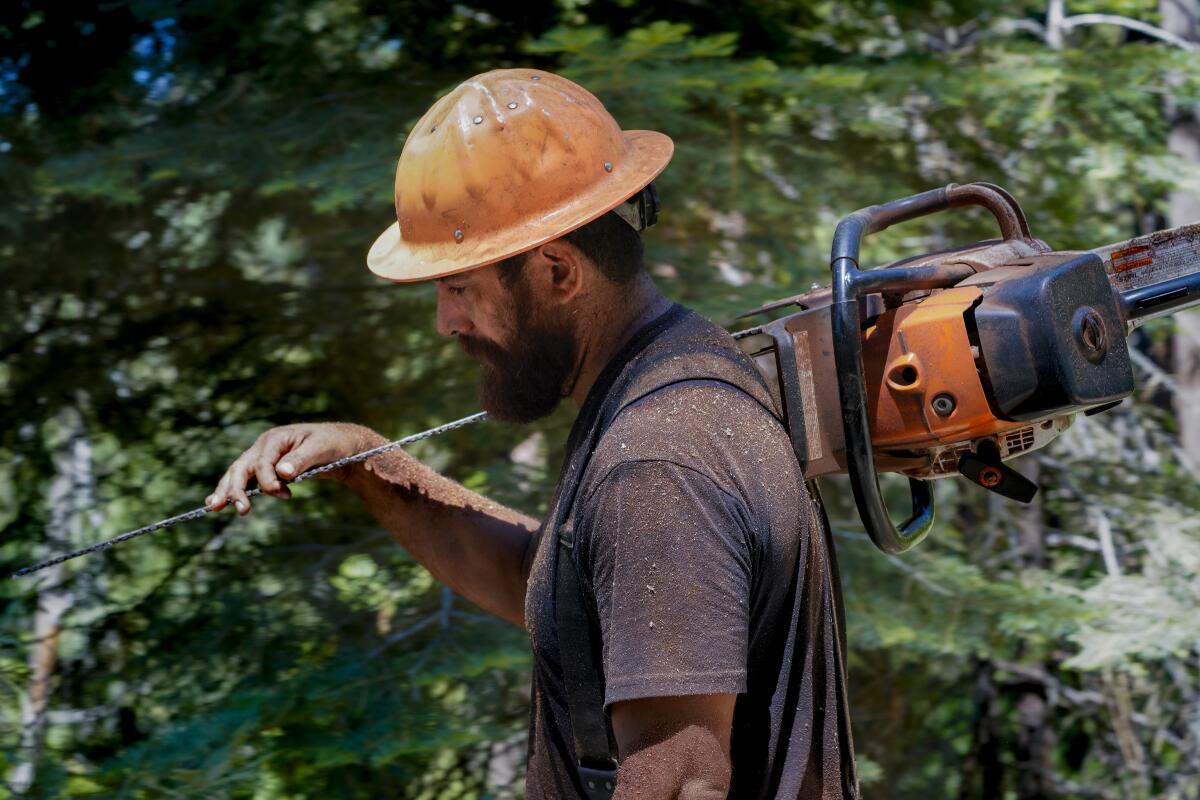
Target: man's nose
(451, 321)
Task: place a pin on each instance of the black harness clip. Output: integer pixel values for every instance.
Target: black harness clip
(598, 783)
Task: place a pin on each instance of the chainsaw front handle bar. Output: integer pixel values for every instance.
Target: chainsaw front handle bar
(849, 284)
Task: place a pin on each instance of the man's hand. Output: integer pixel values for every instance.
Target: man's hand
(477, 547)
(285, 452)
(674, 747)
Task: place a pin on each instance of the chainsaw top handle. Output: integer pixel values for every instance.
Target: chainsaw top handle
(849, 283)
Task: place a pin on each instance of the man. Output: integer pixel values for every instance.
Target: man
(680, 596)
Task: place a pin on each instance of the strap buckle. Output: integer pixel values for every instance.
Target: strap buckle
(598, 783)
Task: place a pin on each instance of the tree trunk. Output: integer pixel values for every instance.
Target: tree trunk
(1034, 740)
(983, 768)
(1031, 750)
(1180, 17)
(69, 498)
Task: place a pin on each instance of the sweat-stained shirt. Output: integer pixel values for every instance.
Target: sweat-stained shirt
(693, 525)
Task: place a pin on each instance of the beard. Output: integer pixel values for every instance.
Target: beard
(527, 379)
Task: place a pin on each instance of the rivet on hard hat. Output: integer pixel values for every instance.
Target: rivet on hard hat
(525, 178)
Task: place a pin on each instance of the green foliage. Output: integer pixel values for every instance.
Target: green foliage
(1150, 616)
(188, 202)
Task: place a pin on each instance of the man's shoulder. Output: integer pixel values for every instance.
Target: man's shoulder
(692, 347)
(701, 424)
(689, 336)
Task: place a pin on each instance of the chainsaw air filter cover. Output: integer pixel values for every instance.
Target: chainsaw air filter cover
(1051, 336)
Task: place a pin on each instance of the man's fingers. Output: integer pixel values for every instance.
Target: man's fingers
(235, 487)
(270, 446)
(220, 495)
(240, 501)
(268, 481)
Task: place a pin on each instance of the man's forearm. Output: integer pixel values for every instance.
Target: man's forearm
(688, 764)
(473, 545)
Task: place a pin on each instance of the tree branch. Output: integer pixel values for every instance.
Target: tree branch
(1006, 26)
(1144, 28)
(1051, 33)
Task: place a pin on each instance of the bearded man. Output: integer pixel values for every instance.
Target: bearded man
(680, 597)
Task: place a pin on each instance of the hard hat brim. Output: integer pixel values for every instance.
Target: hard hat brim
(396, 260)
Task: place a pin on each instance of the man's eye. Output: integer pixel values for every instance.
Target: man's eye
(456, 289)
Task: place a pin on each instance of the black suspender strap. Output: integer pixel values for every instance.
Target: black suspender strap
(595, 751)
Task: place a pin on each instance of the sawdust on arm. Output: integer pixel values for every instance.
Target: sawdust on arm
(674, 747)
(475, 546)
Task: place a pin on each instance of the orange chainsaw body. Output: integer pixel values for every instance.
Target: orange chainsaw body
(926, 383)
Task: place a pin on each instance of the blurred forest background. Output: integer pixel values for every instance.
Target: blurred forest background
(189, 190)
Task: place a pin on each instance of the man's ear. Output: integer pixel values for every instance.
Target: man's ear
(561, 268)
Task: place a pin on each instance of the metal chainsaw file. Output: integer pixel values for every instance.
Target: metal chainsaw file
(951, 363)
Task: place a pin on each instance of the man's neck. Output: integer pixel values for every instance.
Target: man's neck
(610, 328)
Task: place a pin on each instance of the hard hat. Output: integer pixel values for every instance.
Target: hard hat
(509, 160)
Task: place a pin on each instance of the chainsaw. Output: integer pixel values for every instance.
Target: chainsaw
(952, 363)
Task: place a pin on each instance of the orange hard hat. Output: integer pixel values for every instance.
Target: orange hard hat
(509, 160)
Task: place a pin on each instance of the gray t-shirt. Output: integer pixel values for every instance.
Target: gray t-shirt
(690, 521)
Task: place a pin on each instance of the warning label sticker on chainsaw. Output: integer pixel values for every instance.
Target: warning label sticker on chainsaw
(808, 397)
(1152, 259)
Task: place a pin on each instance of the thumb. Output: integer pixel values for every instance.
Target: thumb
(306, 455)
